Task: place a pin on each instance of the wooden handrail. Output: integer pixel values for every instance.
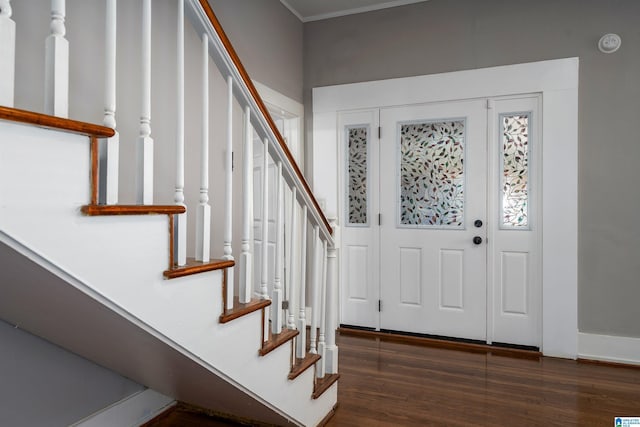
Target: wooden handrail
(111, 210)
(52, 122)
(260, 103)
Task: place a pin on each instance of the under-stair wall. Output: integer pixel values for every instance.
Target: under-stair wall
(65, 386)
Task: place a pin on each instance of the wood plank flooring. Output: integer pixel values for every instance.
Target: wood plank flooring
(386, 383)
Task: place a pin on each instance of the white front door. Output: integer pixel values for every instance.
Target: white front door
(440, 234)
(432, 190)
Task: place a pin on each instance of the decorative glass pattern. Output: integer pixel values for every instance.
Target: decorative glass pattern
(515, 170)
(357, 175)
(432, 174)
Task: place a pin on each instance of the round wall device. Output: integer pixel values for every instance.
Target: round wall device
(609, 43)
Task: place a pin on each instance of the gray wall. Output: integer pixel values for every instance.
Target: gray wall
(43, 385)
(268, 40)
(447, 35)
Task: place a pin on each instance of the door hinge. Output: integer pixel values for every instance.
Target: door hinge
(379, 132)
(285, 305)
(379, 219)
(232, 161)
(379, 305)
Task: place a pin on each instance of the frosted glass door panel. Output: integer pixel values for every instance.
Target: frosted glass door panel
(357, 176)
(432, 174)
(515, 170)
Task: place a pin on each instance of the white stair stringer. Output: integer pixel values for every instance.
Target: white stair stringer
(118, 263)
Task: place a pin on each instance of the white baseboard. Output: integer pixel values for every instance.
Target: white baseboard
(131, 411)
(609, 348)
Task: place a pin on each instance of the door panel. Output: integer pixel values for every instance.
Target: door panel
(514, 156)
(358, 140)
(432, 189)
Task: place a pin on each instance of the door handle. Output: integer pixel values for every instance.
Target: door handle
(477, 240)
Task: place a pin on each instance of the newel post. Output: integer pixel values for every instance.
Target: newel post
(56, 64)
(7, 54)
(331, 350)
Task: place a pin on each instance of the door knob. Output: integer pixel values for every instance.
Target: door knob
(477, 240)
(477, 223)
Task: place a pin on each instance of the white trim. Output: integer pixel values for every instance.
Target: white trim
(353, 11)
(532, 77)
(557, 81)
(609, 348)
(133, 410)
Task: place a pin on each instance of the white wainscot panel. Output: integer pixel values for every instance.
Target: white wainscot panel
(411, 276)
(514, 282)
(451, 278)
(358, 267)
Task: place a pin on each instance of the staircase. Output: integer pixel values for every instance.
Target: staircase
(117, 283)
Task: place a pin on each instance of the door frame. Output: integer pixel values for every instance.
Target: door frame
(557, 82)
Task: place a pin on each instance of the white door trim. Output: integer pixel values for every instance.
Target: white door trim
(557, 81)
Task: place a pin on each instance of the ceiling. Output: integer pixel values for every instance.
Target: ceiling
(315, 10)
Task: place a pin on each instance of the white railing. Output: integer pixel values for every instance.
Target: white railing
(297, 255)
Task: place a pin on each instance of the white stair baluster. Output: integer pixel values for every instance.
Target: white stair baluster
(264, 278)
(276, 299)
(7, 54)
(246, 255)
(203, 216)
(145, 142)
(109, 149)
(228, 202)
(293, 239)
(56, 64)
(331, 350)
(180, 223)
(320, 370)
(301, 349)
(315, 306)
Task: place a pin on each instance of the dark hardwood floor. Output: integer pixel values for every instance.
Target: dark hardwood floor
(389, 383)
(386, 383)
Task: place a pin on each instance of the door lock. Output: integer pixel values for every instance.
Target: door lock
(477, 223)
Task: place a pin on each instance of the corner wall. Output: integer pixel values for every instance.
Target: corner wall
(43, 384)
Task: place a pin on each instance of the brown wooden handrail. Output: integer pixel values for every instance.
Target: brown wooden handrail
(263, 109)
(52, 122)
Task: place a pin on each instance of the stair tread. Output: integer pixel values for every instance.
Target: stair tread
(303, 364)
(240, 309)
(104, 210)
(323, 384)
(194, 267)
(276, 340)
